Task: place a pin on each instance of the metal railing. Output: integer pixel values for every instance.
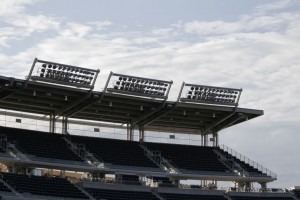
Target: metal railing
(248, 161)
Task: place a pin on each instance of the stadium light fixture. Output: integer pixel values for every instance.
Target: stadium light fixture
(209, 94)
(137, 86)
(63, 74)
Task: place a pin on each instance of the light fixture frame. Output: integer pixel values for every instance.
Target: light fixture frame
(108, 89)
(182, 98)
(35, 69)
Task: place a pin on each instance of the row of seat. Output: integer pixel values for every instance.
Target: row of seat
(117, 152)
(120, 194)
(40, 185)
(244, 165)
(260, 198)
(62, 188)
(188, 157)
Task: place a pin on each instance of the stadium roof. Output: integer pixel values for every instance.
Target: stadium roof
(154, 114)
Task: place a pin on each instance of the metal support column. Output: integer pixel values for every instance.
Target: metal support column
(205, 139)
(130, 132)
(141, 133)
(52, 123)
(215, 139)
(64, 122)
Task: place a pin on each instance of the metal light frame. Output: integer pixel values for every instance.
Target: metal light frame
(209, 94)
(137, 86)
(63, 75)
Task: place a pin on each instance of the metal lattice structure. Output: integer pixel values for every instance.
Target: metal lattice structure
(209, 94)
(62, 74)
(138, 86)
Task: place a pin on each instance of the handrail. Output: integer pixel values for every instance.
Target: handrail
(248, 161)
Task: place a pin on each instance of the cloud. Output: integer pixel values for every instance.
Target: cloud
(259, 53)
(277, 5)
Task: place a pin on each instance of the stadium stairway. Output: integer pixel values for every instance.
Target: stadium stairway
(81, 151)
(230, 163)
(155, 156)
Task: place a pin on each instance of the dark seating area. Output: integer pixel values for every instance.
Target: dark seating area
(296, 193)
(39, 185)
(120, 194)
(128, 179)
(260, 198)
(163, 182)
(40, 144)
(3, 188)
(189, 157)
(173, 196)
(118, 152)
(245, 166)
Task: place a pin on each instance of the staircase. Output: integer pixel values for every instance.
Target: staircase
(80, 150)
(11, 188)
(156, 157)
(15, 152)
(230, 163)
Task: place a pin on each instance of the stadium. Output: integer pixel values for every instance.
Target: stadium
(49, 158)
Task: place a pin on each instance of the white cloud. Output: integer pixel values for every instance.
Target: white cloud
(281, 4)
(99, 25)
(259, 53)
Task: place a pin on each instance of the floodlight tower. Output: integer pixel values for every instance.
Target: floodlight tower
(66, 76)
(140, 87)
(210, 95)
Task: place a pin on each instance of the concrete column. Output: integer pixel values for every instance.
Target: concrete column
(263, 185)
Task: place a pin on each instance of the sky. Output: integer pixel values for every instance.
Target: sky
(253, 45)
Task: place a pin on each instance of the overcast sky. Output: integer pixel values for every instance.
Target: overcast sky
(254, 45)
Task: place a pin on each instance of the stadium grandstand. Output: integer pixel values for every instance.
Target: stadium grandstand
(50, 159)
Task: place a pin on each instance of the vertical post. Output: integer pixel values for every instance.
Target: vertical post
(202, 139)
(64, 129)
(205, 139)
(141, 133)
(130, 132)
(263, 185)
(52, 123)
(215, 139)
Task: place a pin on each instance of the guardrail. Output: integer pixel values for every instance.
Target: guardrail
(248, 161)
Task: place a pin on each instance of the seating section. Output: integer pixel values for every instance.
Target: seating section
(120, 194)
(260, 198)
(118, 152)
(39, 185)
(251, 170)
(163, 182)
(188, 157)
(129, 179)
(173, 196)
(40, 144)
(296, 193)
(3, 188)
